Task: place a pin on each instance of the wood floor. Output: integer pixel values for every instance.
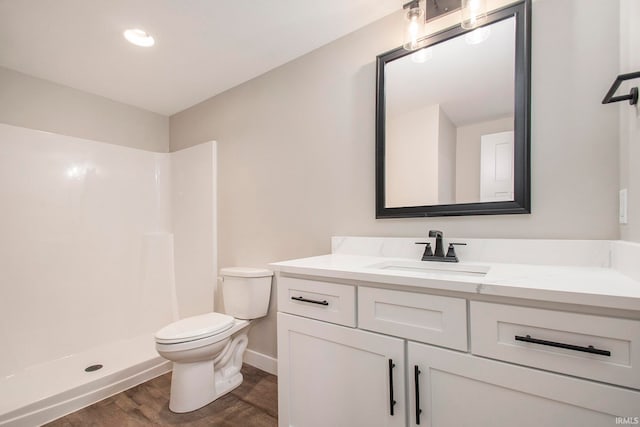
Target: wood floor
(253, 404)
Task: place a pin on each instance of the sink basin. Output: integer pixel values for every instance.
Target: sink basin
(434, 268)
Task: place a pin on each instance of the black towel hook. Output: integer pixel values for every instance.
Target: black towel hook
(633, 95)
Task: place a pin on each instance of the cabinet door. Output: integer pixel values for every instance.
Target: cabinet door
(458, 389)
(330, 375)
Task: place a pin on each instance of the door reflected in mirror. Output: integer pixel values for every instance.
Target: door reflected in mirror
(453, 122)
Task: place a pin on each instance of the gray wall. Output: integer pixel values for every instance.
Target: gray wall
(446, 159)
(630, 118)
(43, 105)
(296, 146)
(411, 162)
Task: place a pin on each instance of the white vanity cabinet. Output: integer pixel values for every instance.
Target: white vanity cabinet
(330, 375)
(600, 348)
(464, 366)
(458, 389)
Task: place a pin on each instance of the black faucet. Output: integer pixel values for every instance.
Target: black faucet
(439, 255)
(439, 252)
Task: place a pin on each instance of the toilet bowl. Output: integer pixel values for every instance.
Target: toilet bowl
(207, 350)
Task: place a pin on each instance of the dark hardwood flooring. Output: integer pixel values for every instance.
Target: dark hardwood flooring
(253, 404)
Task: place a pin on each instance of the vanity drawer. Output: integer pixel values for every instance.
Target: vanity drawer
(420, 317)
(600, 348)
(331, 302)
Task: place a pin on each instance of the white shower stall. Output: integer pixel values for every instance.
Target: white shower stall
(100, 246)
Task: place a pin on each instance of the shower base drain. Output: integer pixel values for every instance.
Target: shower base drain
(92, 368)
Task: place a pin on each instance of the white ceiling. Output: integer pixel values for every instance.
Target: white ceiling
(203, 47)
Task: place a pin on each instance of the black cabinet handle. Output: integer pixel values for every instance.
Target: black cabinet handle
(589, 349)
(416, 375)
(391, 401)
(312, 301)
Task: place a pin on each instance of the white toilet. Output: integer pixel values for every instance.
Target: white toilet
(207, 350)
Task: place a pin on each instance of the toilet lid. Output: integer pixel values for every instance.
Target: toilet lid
(196, 327)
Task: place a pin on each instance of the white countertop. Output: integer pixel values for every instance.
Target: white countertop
(593, 286)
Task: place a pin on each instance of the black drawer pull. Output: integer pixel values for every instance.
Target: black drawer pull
(416, 374)
(589, 349)
(392, 402)
(312, 301)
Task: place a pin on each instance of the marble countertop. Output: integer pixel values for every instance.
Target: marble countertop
(592, 286)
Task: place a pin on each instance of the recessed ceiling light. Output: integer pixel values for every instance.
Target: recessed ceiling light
(139, 37)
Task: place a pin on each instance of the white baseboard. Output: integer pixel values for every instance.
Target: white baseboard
(261, 361)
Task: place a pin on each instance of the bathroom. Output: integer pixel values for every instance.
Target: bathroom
(145, 174)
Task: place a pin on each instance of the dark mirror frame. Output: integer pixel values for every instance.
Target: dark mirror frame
(522, 124)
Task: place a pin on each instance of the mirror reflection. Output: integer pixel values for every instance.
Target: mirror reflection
(449, 120)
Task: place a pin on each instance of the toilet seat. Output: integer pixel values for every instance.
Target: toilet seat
(194, 328)
(178, 347)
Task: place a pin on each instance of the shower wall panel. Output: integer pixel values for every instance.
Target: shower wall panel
(86, 245)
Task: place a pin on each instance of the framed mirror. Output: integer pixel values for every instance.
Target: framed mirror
(453, 121)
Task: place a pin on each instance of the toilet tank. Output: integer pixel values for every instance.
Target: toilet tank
(246, 291)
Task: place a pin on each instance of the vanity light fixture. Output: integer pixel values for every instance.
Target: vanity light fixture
(414, 27)
(139, 37)
(419, 12)
(474, 13)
